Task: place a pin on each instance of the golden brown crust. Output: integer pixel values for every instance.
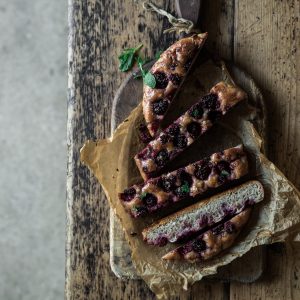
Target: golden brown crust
(140, 167)
(212, 242)
(173, 63)
(195, 206)
(228, 94)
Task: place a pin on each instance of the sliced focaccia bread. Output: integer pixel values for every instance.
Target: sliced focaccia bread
(190, 181)
(187, 128)
(211, 242)
(189, 221)
(169, 72)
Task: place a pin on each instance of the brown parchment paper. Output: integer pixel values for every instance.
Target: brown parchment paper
(276, 219)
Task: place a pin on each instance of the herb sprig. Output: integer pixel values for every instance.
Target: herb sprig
(127, 59)
(143, 195)
(224, 173)
(185, 187)
(148, 77)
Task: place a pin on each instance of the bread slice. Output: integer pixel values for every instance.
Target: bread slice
(170, 70)
(211, 242)
(187, 128)
(199, 216)
(190, 181)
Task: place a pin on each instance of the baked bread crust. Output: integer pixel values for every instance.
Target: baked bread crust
(187, 128)
(159, 233)
(212, 242)
(170, 70)
(190, 181)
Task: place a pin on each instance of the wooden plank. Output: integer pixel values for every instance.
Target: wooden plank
(217, 18)
(266, 45)
(281, 280)
(99, 30)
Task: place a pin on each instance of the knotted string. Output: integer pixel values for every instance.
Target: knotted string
(179, 24)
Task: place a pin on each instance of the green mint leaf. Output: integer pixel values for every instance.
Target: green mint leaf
(143, 195)
(126, 62)
(134, 208)
(195, 113)
(224, 173)
(149, 80)
(126, 58)
(140, 64)
(185, 187)
(148, 77)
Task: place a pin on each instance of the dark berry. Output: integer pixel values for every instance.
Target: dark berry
(167, 183)
(180, 193)
(199, 246)
(161, 80)
(224, 166)
(196, 111)
(173, 66)
(210, 101)
(139, 211)
(229, 227)
(154, 126)
(183, 190)
(173, 130)
(164, 138)
(149, 200)
(218, 229)
(214, 115)
(162, 157)
(160, 106)
(203, 221)
(228, 211)
(161, 241)
(145, 153)
(180, 141)
(175, 78)
(128, 194)
(144, 134)
(249, 202)
(194, 129)
(223, 169)
(184, 177)
(202, 170)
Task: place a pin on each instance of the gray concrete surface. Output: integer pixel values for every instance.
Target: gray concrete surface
(33, 80)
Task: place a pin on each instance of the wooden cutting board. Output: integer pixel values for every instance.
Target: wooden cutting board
(245, 269)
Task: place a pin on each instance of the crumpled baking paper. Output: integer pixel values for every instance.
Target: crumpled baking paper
(276, 219)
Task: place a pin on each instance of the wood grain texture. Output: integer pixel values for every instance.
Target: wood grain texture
(262, 36)
(99, 30)
(266, 44)
(189, 10)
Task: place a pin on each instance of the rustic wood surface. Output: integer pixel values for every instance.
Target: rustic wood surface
(262, 36)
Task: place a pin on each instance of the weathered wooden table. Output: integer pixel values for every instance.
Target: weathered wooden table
(261, 36)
